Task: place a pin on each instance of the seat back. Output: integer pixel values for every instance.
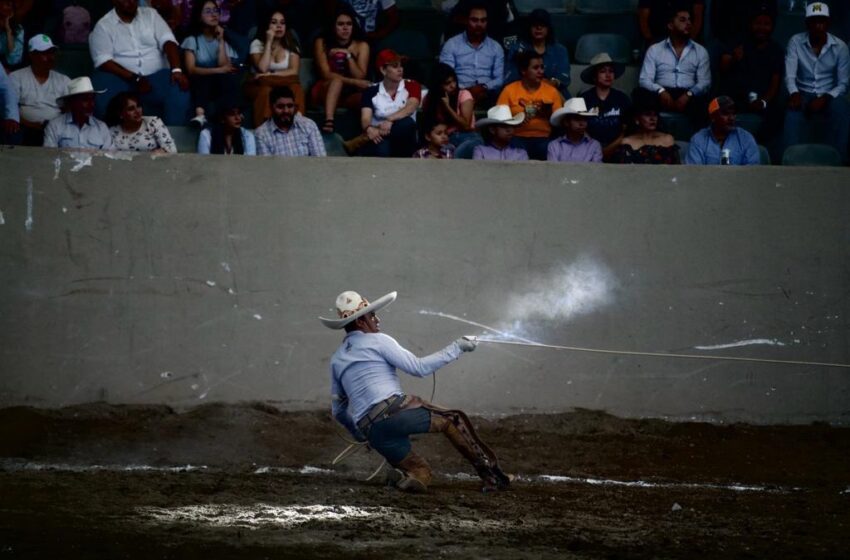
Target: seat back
(764, 156)
(464, 151)
(811, 155)
(591, 44)
(333, 145)
(186, 139)
(606, 6)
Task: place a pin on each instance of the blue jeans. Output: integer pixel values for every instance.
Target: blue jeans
(401, 141)
(165, 100)
(837, 114)
(391, 437)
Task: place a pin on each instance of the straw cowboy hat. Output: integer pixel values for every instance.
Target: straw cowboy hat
(572, 106)
(501, 114)
(350, 306)
(588, 75)
(78, 86)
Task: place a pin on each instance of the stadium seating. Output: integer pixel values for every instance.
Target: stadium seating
(74, 61)
(606, 6)
(552, 6)
(464, 151)
(749, 122)
(764, 155)
(811, 155)
(677, 124)
(617, 46)
(683, 148)
(333, 145)
(186, 139)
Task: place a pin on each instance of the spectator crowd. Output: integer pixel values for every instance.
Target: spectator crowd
(499, 88)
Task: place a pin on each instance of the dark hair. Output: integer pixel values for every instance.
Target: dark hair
(676, 7)
(278, 92)
(523, 58)
(196, 26)
(217, 130)
(432, 107)
(475, 5)
(289, 41)
(329, 33)
(426, 124)
(116, 106)
(536, 18)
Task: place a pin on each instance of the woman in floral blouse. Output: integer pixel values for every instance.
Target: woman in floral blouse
(131, 131)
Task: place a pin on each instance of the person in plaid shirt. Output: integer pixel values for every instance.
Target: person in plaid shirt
(288, 133)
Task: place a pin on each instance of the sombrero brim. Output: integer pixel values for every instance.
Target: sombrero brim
(588, 75)
(67, 95)
(558, 116)
(374, 306)
(517, 120)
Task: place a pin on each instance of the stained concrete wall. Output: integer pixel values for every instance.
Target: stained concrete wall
(187, 279)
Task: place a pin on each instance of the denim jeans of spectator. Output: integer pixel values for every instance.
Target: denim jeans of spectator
(391, 437)
(536, 148)
(165, 100)
(458, 138)
(401, 141)
(837, 115)
(696, 110)
(10, 139)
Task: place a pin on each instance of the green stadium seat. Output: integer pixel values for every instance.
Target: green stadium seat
(74, 61)
(606, 6)
(678, 125)
(186, 138)
(617, 46)
(552, 6)
(683, 148)
(414, 4)
(764, 156)
(464, 151)
(409, 42)
(333, 145)
(749, 122)
(811, 155)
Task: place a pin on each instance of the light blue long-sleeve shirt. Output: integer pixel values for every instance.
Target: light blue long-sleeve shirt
(484, 64)
(704, 149)
(249, 145)
(827, 73)
(363, 372)
(8, 99)
(663, 69)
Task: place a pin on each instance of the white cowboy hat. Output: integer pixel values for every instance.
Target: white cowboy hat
(501, 114)
(78, 86)
(350, 306)
(572, 106)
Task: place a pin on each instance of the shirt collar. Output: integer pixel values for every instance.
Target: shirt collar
(830, 40)
(383, 91)
(69, 119)
(669, 43)
(584, 140)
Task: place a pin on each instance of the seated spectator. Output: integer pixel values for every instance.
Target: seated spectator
(722, 143)
(342, 57)
(611, 104)
(367, 17)
(575, 145)
(448, 104)
(77, 127)
(303, 17)
(497, 130)
(225, 134)
(11, 35)
(537, 35)
(388, 111)
(276, 59)
(751, 73)
(643, 142)
(287, 133)
(817, 74)
(134, 50)
(501, 16)
(10, 119)
(437, 144)
(533, 96)
(654, 15)
(37, 87)
(133, 132)
(731, 19)
(677, 70)
(478, 60)
(209, 60)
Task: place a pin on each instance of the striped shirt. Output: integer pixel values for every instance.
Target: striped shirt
(302, 139)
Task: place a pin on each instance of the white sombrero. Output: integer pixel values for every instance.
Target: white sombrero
(78, 86)
(500, 114)
(350, 306)
(572, 106)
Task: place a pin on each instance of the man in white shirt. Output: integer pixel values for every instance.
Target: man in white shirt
(134, 49)
(38, 86)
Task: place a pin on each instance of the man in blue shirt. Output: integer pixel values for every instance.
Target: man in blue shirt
(817, 74)
(368, 399)
(478, 60)
(722, 143)
(10, 118)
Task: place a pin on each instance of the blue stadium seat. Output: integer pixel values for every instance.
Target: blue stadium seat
(678, 125)
(811, 155)
(333, 145)
(606, 6)
(683, 148)
(409, 42)
(591, 44)
(186, 138)
(464, 151)
(414, 4)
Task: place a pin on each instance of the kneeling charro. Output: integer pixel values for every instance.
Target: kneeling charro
(368, 399)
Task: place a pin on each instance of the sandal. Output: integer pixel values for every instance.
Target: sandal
(328, 127)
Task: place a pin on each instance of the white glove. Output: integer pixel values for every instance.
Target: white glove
(467, 345)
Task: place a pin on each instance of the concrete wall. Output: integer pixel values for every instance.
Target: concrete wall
(188, 279)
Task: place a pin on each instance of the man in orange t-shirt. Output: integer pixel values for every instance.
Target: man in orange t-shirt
(537, 99)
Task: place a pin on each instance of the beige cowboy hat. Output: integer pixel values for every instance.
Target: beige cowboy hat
(588, 75)
(79, 86)
(572, 106)
(501, 114)
(350, 306)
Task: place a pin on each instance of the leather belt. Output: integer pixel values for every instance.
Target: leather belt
(381, 411)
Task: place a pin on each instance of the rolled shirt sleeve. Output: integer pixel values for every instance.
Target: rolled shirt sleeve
(649, 69)
(100, 45)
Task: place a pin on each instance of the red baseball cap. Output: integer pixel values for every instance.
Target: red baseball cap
(387, 56)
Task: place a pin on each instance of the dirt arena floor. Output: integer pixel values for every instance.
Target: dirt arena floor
(248, 481)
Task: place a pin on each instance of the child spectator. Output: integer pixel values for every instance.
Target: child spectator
(448, 104)
(209, 60)
(437, 145)
(38, 86)
(722, 143)
(644, 143)
(537, 35)
(77, 127)
(342, 57)
(611, 104)
(497, 130)
(11, 35)
(225, 135)
(533, 96)
(132, 131)
(575, 145)
(276, 59)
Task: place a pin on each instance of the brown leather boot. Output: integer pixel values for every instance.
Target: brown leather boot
(417, 474)
(351, 146)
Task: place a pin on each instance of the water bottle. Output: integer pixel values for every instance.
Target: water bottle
(725, 157)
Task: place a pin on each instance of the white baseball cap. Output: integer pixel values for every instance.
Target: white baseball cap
(817, 9)
(40, 43)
